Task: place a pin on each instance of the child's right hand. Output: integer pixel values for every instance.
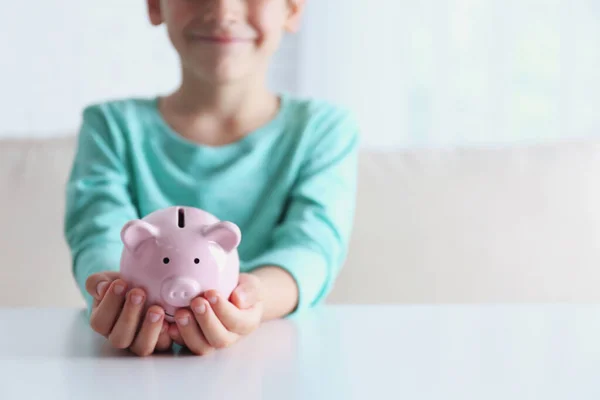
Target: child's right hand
(117, 315)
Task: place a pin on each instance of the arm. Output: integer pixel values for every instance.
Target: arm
(309, 247)
(280, 292)
(98, 201)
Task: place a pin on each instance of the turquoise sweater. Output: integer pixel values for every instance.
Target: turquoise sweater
(290, 186)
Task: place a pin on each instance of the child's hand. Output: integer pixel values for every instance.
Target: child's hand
(117, 315)
(217, 322)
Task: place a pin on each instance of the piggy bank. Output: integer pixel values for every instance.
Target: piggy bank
(176, 254)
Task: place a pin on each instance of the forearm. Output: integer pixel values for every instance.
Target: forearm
(280, 292)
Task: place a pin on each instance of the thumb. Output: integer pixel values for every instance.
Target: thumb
(96, 284)
(247, 293)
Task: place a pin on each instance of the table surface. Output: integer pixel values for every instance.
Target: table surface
(337, 352)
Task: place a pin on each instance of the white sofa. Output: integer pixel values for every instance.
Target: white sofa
(495, 224)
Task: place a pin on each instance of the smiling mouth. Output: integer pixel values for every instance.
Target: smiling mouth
(169, 315)
(219, 39)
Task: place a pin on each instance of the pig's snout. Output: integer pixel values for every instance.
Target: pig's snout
(178, 292)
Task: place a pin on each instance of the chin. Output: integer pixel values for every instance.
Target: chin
(223, 77)
(224, 73)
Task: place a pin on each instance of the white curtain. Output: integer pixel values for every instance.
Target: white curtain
(439, 72)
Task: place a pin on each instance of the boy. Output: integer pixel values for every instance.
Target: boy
(283, 169)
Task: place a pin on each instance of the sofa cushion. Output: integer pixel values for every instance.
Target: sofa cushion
(477, 224)
(34, 259)
(485, 224)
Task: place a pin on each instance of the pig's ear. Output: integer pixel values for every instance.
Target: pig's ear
(136, 232)
(225, 234)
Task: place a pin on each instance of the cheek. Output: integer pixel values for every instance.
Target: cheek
(178, 15)
(178, 11)
(268, 17)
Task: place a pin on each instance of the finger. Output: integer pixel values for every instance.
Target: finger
(164, 342)
(124, 330)
(213, 329)
(97, 284)
(175, 335)
(247, 292)
(145, 342)
(105, 316)
(191, 334)
(233, 319)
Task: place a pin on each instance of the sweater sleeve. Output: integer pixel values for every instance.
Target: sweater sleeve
(312, 240)
(98, 200)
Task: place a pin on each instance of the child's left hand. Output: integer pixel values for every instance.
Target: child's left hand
(217, 322)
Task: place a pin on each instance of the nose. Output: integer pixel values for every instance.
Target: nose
(222, 11)
(178, 292)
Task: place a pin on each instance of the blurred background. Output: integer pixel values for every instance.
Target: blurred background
(427, 72)
(479, 173)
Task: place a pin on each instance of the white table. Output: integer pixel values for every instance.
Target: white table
(352, 352)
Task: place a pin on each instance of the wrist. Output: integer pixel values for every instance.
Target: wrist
(280, 291)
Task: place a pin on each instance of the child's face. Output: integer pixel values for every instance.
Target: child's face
(225, 40)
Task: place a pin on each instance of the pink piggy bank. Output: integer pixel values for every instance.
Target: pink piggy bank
(177, 253)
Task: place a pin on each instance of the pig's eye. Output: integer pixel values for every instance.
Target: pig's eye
(197, 260)
(166, 260)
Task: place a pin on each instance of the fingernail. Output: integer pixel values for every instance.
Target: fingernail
(200, 309)
(100, 287)
(119, 289)
(154, 317)
(183, 321)
(213, 299)
(136, 299)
